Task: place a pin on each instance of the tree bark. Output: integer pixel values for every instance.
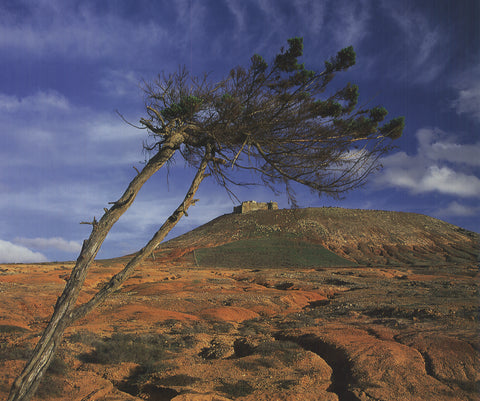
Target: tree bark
(143, 253)
(26, 384)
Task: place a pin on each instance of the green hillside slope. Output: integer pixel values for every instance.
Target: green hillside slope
(360, 236)
(269, 252)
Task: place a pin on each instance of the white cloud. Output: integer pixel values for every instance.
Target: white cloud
(66, 134)
(40, 101)
(49, 243)
(468, 97)
(436, 144)
(120, 83)
(75, 31)
(440, 165)
(353, 18)
(239, 13)
(448, 181)
(425, 42)
(457, 209)
(11, 253)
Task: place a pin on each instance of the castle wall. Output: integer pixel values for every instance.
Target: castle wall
(250, 206)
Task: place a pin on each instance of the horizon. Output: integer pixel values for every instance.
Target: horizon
(68, 67)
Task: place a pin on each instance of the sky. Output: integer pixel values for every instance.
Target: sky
(67, 67)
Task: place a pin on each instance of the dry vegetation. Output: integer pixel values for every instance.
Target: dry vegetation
(177, 331)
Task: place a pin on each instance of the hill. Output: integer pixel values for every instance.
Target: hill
(353, 235)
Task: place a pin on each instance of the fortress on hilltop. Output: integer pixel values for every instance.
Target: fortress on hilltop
(250, 206)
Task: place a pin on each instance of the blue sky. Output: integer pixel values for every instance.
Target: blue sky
(66, 66)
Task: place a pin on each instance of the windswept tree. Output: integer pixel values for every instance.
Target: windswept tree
(275, 120)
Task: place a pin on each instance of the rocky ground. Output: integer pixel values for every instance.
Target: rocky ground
(179, 332)
(396, 319)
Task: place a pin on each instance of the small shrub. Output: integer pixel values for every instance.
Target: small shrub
(255, 364)
(12, 353)
(177, 380)
(8, 328)
(84, 337)
(337, 282)
(252, 327)
(177, 327)
(298, 321)
(50, 386)
(286, 384)
(286, 351)
(58, 366)
(284, 286)
(216, 350)
(222, 327)
(239, 389)
(140, 375)
(141, 349)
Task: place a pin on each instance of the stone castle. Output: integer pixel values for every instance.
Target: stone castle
(250, 206)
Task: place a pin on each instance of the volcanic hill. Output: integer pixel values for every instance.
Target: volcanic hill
(289, 305)
(356, 236)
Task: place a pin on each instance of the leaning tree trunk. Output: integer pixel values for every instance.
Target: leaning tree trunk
(26, 384)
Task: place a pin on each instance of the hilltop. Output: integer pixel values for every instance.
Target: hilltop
(360, 236)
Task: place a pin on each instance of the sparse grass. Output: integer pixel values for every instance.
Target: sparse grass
(52, 383)
(403, 312)
(252, 327)
(284, 285)
(240, 388)
(286, 351)
(141, 375)
(215, 350)
(142, 349)
(12, 353)
(177, 380)
(84, 337)
(222, 327)
(50, 386)
(255, 364)
(296, 321)
(8, 328)
(279, 252)
(286, 384)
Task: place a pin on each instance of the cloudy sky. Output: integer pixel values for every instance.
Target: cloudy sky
(67, 66)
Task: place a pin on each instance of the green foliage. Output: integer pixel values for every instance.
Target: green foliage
(328, 108)
(394, 128)
(278, 120)
(378, 114)
(287, 61)
(344, 59)
(185, 109)
(259, 65)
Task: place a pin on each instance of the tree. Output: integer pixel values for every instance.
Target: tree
(273, 119)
